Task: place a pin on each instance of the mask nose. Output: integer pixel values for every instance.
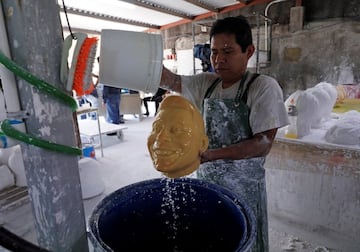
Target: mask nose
(163, 135)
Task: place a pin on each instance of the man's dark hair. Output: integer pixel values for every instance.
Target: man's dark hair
(234, 25)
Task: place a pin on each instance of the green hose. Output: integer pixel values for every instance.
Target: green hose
(14, 133)
(39, 83)
(47, 88)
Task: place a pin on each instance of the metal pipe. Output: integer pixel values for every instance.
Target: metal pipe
(267, 20)
(257, 43)
(7, 78)
(193, 38)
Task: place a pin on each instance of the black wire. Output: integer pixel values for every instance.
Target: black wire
(15, 243)
(67, 20)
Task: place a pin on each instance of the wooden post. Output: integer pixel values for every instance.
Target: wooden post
(35, 40)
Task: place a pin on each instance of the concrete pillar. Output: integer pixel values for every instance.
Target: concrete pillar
(35, 41)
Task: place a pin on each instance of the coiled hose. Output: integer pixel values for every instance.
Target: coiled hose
(46, 88)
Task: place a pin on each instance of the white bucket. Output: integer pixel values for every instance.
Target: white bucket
(131, 60)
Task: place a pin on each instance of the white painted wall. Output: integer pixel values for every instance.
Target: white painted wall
(185, 64)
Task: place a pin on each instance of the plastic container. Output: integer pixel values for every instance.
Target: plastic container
(6, 141)
(291, 130)
(131, 60)
(172, 215)
(89, 151)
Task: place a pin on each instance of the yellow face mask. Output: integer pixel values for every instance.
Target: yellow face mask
(177, 137)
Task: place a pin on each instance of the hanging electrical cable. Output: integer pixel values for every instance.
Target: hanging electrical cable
(67, 20)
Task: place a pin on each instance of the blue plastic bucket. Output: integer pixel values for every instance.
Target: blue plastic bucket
(172, 215)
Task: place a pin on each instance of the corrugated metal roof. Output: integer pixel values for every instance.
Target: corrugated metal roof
(140, 15)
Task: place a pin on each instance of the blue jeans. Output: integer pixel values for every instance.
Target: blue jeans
(112, 103)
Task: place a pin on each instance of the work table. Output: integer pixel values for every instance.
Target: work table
(315, 184)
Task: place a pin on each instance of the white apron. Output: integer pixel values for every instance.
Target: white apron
(227, 122)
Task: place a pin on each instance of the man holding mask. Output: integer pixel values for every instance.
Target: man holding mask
(242, 112)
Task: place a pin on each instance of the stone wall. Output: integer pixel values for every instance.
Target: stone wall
(322, 51)
(325, 48)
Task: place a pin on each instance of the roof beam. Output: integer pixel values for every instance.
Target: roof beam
(102, 16)
(242, 5)
(76, 29)
(203, 5)
(159, 8)
(210, 14)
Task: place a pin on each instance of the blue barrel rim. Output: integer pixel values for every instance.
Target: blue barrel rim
(249, 216)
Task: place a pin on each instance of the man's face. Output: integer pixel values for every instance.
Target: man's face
(227, 57)
(174, 143)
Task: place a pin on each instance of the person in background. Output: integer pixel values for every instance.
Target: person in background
(111, 99)
(157, 98)
(242, 112)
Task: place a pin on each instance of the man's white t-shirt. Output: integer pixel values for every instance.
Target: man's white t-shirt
(265, 98)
